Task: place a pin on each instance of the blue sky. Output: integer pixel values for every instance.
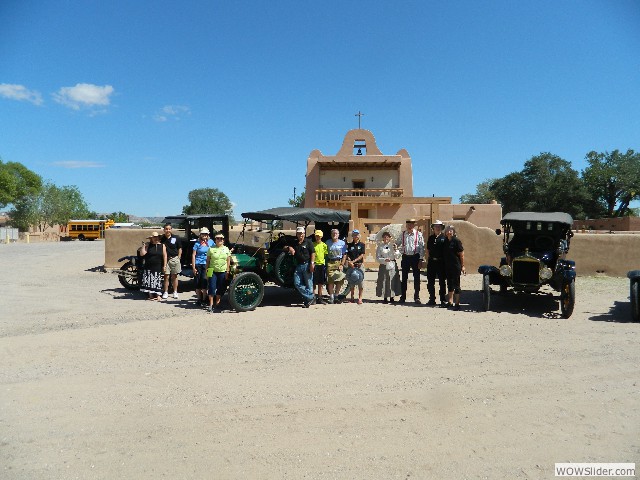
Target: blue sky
(139, 102)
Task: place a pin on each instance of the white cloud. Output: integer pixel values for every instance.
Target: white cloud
(172, 112)
(78, 164)
(84, 95)
(20, 93)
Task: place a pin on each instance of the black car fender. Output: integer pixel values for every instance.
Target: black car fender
(568, 268)
(494, 274)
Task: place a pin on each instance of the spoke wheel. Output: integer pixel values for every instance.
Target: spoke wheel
(285, 266)
(635, 301)
(486, 293)
(246, 291)
(129, 277)
(567, 297)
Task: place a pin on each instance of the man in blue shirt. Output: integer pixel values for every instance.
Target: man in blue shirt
(336, 260)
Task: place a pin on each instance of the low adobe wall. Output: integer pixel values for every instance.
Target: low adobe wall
(123, 241)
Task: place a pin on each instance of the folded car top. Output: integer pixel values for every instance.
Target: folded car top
(296, 214)
(555, 217)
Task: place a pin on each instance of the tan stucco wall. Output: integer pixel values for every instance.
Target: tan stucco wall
(483, 215)
(123, 241)
(611, 254)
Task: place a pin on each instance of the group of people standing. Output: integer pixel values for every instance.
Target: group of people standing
(445, 262)
(335, 262)
(331, 264)
(210, 261)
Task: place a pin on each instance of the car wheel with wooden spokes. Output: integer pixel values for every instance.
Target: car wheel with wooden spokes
(128, 276)
(567, 297)
(246, 291)
(486, 293)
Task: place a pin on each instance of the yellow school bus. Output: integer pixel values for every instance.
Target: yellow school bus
(88, 229)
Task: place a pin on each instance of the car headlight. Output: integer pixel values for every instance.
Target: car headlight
(505, 270)
(545, 273)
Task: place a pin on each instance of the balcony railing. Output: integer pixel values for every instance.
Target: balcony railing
(336, 194)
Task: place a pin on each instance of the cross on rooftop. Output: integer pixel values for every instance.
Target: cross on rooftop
(359, 115)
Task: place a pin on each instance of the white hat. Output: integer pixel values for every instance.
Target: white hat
(437, 222)
(204, 230)
(300, 230)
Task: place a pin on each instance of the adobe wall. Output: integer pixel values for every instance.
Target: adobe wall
(483, 215)
(120, 242)
(611, 254)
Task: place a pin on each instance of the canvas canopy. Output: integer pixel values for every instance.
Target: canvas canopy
(554, 217)
(296, 214)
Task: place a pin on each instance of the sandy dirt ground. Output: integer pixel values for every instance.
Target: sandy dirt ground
(97, 383)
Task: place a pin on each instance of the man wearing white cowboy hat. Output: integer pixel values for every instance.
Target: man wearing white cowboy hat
(435, 264)
(412, 248)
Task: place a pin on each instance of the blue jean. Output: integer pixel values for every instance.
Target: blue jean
(217, 283)
(302, 280)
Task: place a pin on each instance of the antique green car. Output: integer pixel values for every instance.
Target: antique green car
(535, 245)
(253, 265)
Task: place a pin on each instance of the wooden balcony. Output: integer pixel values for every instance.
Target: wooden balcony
(332, 195)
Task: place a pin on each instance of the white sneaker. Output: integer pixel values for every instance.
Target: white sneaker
(165, 295)
(175, 294)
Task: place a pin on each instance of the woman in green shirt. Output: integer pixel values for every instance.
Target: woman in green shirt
(218, 264)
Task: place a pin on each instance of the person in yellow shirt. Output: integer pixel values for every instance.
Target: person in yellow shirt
(320, 272)
(218, 265)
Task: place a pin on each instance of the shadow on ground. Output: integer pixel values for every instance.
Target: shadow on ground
(619, 312)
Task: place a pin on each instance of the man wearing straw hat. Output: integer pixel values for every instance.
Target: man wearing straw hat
(435, 264)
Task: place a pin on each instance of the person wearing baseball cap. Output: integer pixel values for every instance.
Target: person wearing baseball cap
(355, 258)
(320, 270)
(305, 254)
(336, 260)
(435, 264)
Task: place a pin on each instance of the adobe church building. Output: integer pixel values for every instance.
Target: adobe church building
(377, 188)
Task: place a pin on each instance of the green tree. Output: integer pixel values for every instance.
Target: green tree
(297, 201)
(483, 193)
(552, 185)
(547, 183)
(51, 206)
(17, 182)
(612, 180)
(119, 217)
(208, 200)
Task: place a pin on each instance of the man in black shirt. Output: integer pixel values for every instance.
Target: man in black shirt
(174, 253)
(305, 254)
(435, 264)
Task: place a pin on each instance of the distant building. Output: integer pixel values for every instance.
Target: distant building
(378, 188)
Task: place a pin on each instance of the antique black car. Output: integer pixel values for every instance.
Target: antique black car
(254, 265)
(634, 285)
(535, 246)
